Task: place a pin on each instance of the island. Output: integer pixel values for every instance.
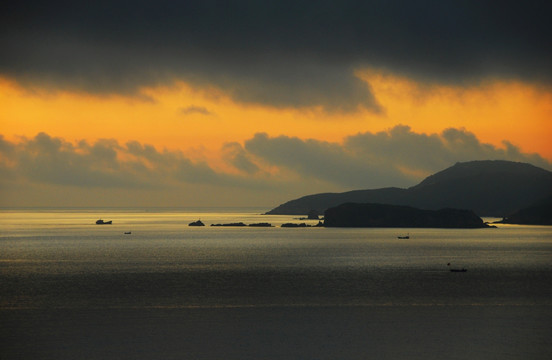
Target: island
(263, 224)
(241, 224)
(196, 223)
(230, 224)
(384, 215)
(301, 225)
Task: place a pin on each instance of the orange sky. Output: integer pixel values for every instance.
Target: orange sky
(493, 111)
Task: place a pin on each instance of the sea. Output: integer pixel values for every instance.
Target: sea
(149, 286)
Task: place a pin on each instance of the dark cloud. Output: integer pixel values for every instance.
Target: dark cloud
(283, 53)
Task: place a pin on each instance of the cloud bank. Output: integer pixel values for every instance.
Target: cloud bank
(271, 168)
(105, 164)
(281, 53)
(397, 157)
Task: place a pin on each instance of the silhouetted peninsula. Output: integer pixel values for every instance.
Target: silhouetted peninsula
(381, 215)
(539, 213)
(489, 188)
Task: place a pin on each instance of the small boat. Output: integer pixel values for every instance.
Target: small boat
(128, 232)
(101, 222)
(407, 236)
(456, 270)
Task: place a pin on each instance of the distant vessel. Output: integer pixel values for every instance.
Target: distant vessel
(407, 236)
(127, 233)
(101, 222)
(456, 270)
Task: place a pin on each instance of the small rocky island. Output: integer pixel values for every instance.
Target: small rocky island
(196, 223)
(241, 224)
(383, 215)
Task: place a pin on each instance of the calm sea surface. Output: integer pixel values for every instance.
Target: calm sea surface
(70, 289)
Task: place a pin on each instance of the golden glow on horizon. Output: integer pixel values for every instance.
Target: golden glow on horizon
(494, 111)
(202, 120)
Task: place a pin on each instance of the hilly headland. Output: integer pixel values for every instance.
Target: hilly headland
(493, 188)
(539, 213)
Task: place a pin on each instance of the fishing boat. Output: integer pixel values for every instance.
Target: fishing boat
(101, 222)
(407, 236)
(456, 270)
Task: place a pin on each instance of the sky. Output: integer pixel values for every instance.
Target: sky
(254, 103)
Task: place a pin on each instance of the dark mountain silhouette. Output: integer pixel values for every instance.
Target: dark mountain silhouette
(383, 215)
(489, 188)
(539, 213)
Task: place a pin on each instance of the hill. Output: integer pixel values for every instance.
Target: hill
(489, 188)
(382, 215)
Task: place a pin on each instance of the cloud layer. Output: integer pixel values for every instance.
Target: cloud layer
(398, 157)
(281, 53)
(269, 167)
(105, 164)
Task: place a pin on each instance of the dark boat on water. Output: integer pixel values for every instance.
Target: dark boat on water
(456, 270)
(101, 222)
(404, 237)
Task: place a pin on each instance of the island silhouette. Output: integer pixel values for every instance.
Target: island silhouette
(383, 215)
(493, 188)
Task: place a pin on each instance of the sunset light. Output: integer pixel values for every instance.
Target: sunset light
(276, 114)
(275, 179)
